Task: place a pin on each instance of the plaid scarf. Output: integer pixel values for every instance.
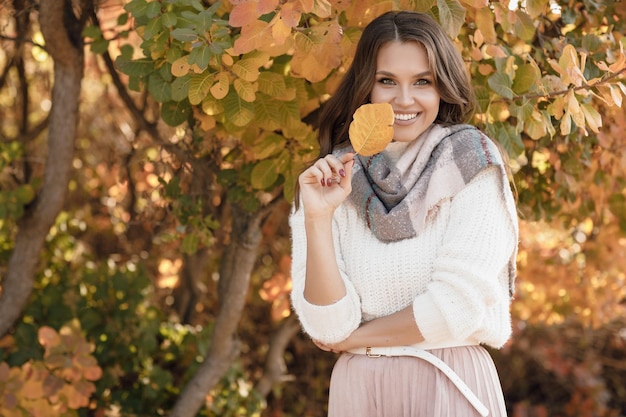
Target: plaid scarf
(395, 200)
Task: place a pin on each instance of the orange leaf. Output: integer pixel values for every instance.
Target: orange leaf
(48, 337)
(243, 14)
(266, 6)
(372, 128)
(252, 35)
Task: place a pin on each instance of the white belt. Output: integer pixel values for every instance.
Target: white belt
(376, 352)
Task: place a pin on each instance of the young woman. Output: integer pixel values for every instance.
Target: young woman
(404, 261)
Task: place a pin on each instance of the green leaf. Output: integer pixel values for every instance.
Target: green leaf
(189, 244)
(92, 31)
(264, 174)
(25, 194)
(268, 146)
(199, 86)
(200, 55)
(451, 16)
(153, 28)
(267, 112)
(169, 19)
(482, 97)
(524, 26)
(122, 19)
(185, 35)
(153, 9)
(507, 136)
(526, 77)
(204, 21)
(501, 84)
(245, 89)
(135, 68)
(137, 8)
(271, 83)
(180, 88)
(175, 113)
(238, 111)
(160, 89)
(99, 46)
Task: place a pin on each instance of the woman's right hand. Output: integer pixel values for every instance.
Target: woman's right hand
(326, 184)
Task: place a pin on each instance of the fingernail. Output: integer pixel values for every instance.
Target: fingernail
(323, 183)
(329, 182)
(342, 173)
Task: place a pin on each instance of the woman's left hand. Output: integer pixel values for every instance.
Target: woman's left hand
(334, 348)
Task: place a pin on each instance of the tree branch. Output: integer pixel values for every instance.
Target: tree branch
(275, 369)
(553, 94)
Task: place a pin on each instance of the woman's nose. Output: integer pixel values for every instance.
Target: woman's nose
(404, 96)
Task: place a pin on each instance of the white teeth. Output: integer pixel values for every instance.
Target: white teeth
(405, 116)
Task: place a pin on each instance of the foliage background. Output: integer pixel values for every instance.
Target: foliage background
(161, 287)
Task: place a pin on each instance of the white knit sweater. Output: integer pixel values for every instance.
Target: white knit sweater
(455, 273)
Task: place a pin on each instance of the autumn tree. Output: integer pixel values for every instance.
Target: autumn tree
(221, 100)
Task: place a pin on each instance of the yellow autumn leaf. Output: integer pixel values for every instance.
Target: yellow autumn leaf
(221, 86)
(371, 129)
(484, 21)
(592, 117)
(180, 67)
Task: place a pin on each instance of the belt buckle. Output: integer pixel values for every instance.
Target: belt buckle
(369, 354)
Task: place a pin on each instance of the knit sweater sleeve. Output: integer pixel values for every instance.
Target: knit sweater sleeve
(467, 297)
(328, 323)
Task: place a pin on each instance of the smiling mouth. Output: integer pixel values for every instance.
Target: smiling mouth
(405, 116)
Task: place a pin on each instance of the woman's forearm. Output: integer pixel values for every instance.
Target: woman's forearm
(323, 283)
(398, 329)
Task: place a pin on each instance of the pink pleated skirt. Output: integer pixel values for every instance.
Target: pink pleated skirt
(361, 386)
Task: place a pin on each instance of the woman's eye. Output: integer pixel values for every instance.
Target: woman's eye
(422, 82)
(386, 81)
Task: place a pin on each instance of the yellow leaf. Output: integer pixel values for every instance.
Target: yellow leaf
(246, 69)
(484, 21)
(221, 86)
(495, 51)
(573, 107)
(318, 51)
(280, 31)
(252, 37)
(592, 117)
(568, 66)
(246, 90)
(566, 124)
(616, 95)
(371, 129)
(206, 122)
(227, 60)
(477, 4)
(180, 67)
(535, 125)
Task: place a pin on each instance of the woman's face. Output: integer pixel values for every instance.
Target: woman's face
(404, 80)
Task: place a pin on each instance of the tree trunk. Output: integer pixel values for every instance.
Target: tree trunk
(62, 34)
(235, 270)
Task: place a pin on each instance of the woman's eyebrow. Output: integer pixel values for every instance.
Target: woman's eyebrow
(390, 74)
